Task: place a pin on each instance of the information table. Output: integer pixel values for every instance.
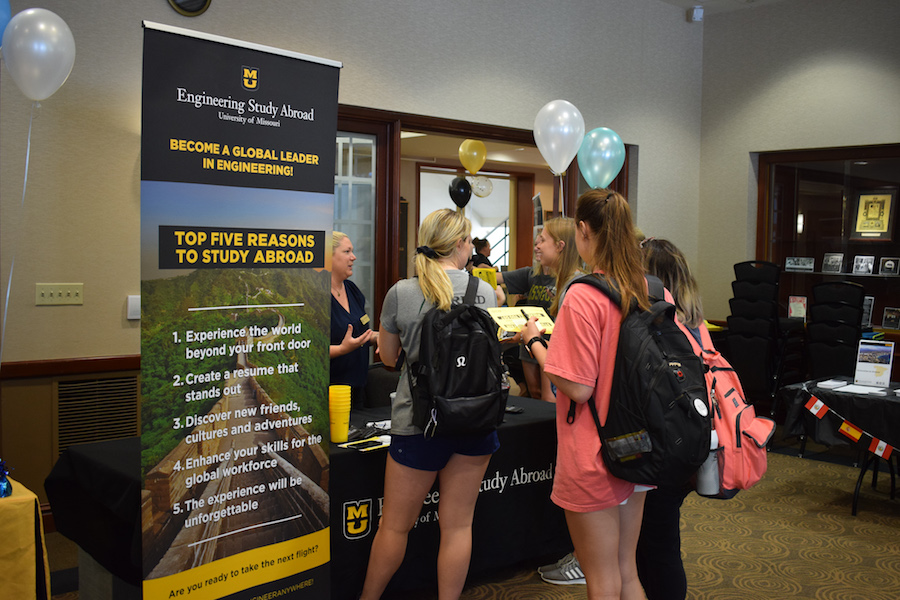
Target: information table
(867, 420)
(25, 573)
(94, 491)
(514, 517)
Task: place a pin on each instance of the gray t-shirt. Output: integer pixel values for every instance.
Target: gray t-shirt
(539, 290)
(402, 313)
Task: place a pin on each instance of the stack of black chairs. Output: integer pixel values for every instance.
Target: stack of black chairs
(834, 329)
(764, 348)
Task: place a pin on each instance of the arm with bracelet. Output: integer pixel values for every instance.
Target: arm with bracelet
(534, 340)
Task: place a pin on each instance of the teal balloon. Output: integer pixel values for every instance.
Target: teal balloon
(5, 16)
(601, 157)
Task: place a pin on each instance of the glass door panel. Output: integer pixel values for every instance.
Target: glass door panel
(354, 205)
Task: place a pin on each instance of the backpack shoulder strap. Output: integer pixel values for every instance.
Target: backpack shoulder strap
(601, 284)
(706, 338)
(471, 290)
(654, 286)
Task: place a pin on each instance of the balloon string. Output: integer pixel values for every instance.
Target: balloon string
(12, 265)
(562, 195)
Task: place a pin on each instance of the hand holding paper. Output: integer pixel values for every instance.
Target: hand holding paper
(512, 319)
(532, 329)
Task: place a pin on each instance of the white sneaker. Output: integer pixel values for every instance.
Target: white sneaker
(566, 571)
(556, 565)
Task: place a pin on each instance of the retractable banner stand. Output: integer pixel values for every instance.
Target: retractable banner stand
(237, 187)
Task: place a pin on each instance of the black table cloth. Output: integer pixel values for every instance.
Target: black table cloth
(94, 491)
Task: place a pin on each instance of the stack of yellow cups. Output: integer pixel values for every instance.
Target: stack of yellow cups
(339, 412)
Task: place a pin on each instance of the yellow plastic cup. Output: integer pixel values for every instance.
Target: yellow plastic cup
(339, 392)
(339, 412)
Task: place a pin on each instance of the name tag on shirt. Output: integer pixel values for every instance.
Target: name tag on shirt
(364, 319)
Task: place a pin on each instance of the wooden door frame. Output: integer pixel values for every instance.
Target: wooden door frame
(386, 126)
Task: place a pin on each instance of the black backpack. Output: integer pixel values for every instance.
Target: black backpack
(657, 431)
(459, 384)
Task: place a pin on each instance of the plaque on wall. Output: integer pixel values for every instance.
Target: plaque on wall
(873, 219)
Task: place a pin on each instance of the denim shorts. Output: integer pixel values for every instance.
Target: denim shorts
(417, 452)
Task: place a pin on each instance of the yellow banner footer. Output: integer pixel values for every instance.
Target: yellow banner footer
(245, 570)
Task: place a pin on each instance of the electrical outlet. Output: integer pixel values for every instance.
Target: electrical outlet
(56, 294)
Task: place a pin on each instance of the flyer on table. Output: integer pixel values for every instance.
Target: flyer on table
(237, 186)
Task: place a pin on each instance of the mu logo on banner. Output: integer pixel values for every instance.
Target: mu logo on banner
(250, 78)
(357, 519)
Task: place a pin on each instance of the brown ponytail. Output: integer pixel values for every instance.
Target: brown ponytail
(614, 247)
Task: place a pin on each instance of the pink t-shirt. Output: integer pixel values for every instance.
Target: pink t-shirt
(583, 350)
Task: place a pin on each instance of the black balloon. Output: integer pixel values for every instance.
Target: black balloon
(460, 191)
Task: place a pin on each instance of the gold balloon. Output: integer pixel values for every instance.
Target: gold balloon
(472, 155)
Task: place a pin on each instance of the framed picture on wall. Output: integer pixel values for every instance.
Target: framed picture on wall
(800, 263)
(868, 308)
(874, 215)
(891, 318)
(833, 262)
(890, 265)
(863, 265)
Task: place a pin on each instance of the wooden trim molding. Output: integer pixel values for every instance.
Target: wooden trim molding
(441, 126)
(69, 366)
(764, 170)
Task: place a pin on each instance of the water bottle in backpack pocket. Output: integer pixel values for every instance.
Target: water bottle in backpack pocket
(742, 435)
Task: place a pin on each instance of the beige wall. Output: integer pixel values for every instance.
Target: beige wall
(796, 74)
(631, 65)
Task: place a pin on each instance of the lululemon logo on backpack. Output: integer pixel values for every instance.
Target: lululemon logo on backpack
(249, 78)
(460, 362)
(357, 518)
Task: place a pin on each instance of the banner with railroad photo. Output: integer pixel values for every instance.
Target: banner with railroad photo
(237, 194)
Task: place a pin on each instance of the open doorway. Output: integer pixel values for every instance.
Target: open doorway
(402, 143)
(511, 176)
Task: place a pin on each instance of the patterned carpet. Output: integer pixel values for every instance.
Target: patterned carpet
(791, 536)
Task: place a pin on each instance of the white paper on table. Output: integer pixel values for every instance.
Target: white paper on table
(831, 384)
(861, 389)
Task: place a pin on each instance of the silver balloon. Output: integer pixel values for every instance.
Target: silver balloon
(558, 131)
(482, 186)
(39, 51)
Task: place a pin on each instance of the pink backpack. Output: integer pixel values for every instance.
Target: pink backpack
(743, 435)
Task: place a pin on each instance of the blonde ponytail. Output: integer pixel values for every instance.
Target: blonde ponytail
(438, 235)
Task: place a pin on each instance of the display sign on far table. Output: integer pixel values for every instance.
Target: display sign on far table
(873, 363)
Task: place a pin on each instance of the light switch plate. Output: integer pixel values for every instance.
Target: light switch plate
(133, 307)
(56, 294)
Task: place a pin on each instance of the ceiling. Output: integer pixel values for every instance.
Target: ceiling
(444, 150)
(712, 7)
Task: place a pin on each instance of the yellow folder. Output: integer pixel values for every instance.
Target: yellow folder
(511, 319)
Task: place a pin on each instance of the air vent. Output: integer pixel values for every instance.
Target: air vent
(94, 410)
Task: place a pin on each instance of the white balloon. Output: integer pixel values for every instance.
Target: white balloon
(39, 51)
(558, 132)
(482, 186)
